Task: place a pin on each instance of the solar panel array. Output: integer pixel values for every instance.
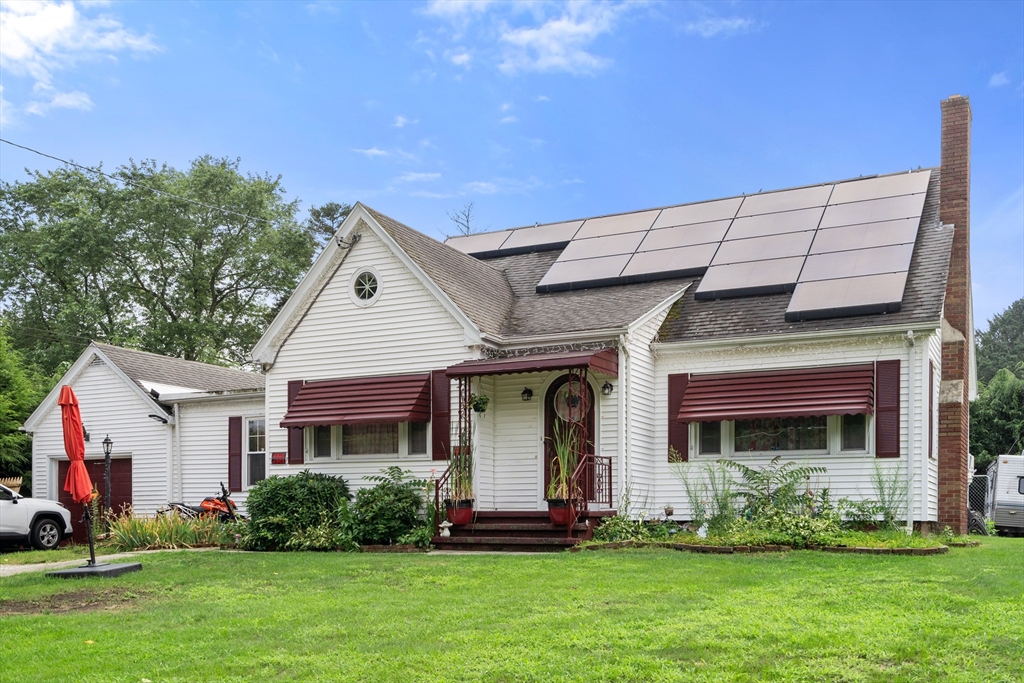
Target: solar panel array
(842, 248)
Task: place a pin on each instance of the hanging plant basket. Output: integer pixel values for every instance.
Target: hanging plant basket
(479, 402)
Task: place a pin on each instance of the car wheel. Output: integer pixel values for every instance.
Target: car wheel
(46, 535)
(976, 523)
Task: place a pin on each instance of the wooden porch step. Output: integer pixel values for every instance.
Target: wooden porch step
(539, 526)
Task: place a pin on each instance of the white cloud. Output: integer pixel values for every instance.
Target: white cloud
(43, 37)
(709, 27)
(432, 195)
(508, 119)
(541, 98)
(60, 100)
(371, 152)
(561, 44)
(411, 177)
(461, 58)
(480, 187)
(457, 10)
(402, 122)
(999, 80)
(6, 110)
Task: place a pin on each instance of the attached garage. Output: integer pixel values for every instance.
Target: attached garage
(120, 489)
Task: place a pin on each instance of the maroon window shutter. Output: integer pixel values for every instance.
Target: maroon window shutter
(678, 431)
(235, 454)
(440, 415)
(296, 443)
(887, 409)
(931, 409)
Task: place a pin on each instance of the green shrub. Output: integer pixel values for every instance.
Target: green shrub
(710, 494)
(329, 534)
(390, 509)
(168, 530)
(285, 508)
(775, 485)
(419, 536)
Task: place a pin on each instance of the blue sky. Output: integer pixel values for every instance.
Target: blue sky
(534, 111)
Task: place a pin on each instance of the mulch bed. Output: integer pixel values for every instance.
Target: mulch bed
(730, 549)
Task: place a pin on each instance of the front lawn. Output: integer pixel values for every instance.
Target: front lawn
(627, 615)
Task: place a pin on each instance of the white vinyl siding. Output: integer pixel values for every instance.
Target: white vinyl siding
(108, 406)
(849, 474)
(405, 331)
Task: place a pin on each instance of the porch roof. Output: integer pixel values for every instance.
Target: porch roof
(604, 361)
(361, 400)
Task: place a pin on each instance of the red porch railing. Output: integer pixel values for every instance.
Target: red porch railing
(590, 483)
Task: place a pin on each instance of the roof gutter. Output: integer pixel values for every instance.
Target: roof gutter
(797, 337)
(608, 334)
(208, 397)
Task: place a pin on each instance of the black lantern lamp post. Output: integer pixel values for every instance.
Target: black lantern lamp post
(108, 445)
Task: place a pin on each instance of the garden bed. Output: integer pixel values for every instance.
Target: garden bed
(400, 548)
(730, 549)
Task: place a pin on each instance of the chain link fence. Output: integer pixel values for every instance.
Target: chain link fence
(977, 494)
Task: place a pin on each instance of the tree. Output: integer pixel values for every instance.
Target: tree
(464, 219)
(997, 417)
(1002, 345)
(324, 221)
(188, 264)
(21, 389)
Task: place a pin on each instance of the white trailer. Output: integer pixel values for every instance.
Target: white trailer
(1006, 494)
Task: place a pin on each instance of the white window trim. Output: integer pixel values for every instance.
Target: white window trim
(337, 456)
(835, 438)
(363, 303)
(246, 478)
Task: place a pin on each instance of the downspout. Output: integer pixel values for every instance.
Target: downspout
(911, 432)
(623, 428)
(177, 452)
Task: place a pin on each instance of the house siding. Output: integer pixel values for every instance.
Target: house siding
(847, 475)
(406, 330)
(203, 443)
(108, 406)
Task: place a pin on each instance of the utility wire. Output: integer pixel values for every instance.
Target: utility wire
(134, 184)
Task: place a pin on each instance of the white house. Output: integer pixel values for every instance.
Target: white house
(829, 323)
(176, 428)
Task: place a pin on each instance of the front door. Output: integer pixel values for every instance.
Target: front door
(566, 403)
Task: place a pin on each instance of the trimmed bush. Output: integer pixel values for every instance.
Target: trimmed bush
(304, 507)
(389, 510)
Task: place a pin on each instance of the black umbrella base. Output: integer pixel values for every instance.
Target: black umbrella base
(98, 569)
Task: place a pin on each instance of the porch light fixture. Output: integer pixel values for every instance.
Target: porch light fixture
(108, 445)
(606, 389)
(527, 394)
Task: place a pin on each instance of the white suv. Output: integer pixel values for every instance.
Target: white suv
(44, 523)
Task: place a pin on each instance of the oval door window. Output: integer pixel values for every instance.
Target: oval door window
(572, 401)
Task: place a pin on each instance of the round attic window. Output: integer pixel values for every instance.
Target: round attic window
(365, 287)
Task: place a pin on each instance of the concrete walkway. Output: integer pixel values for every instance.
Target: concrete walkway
(12, 569)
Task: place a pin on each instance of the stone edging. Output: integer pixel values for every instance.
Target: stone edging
(730, 549)
(391, 549)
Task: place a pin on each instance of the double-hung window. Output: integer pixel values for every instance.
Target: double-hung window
(256, 451)
(820, 435)
(397, 439)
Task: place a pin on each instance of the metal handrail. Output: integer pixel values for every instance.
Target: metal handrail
(590, 483)
(440, 484)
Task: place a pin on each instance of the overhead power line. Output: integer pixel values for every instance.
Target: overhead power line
(134, 184)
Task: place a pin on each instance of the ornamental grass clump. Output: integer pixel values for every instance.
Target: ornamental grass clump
(168, 530)
(710, 492)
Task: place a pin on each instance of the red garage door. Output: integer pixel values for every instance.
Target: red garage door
(120, 490)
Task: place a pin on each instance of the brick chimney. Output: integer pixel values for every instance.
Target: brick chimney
(957, 335)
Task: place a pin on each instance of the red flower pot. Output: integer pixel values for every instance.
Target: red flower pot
(459, 511)
(558, 511)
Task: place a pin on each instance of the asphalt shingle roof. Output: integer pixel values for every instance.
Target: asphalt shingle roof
(141, 366)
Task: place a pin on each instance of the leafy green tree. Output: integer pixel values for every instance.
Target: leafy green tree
(997, 417)
(184, 263)
(21, 389)
(1002, 345)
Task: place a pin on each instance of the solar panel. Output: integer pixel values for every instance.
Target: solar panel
(684, 235)
(476, 244)
(552, 233)
(892, 259)
(602, 246)
(884, 186)
(613, 225)
(774, 223)
(787, 200)
(698, 213)
(764, 248)
(847, 296)
(902, 231)
(873, 210)
(746, 279)
(592, 272)
(677, 262)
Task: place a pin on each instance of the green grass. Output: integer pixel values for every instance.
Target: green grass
(629, 615)
(68, 552)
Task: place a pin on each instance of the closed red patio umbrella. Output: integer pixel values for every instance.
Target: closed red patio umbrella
(78, 483)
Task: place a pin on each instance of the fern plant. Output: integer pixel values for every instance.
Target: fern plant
(775, 485)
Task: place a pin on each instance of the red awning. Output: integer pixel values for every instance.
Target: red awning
(604, 361)
(841, 390)
(362, 400)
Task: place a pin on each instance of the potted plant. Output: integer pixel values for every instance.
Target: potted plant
(459, 504)
(563, 465)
